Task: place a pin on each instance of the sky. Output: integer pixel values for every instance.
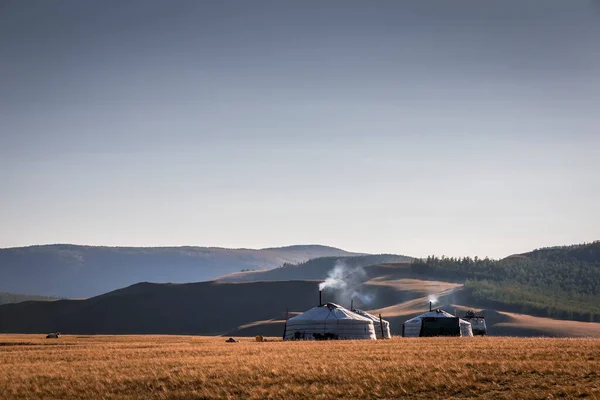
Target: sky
(433, 127)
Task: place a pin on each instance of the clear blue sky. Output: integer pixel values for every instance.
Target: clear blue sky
(415, 127)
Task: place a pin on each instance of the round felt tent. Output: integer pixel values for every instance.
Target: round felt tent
(329, 321)
(377, 324)
(436, 323)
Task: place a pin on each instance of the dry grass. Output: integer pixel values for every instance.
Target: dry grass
(417, 285)
(405, 309)
(553, 327)
(180, 367)
(521, 323)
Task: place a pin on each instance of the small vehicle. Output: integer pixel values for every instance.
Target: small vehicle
(477, 323)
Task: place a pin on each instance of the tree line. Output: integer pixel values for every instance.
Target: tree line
(558, 282)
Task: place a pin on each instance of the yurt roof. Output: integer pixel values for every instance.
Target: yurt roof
(367, 315)
(433, 314)
(328, 311)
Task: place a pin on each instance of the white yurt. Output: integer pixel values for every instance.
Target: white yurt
(436, 323)
(329, 321)
(377, 324)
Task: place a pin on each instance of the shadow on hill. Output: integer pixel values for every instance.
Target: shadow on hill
(205, 308)
(397, 291)
(314, 269)
(273, 328)
(407, 270)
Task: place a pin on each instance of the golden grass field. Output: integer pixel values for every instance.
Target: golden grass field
(418, 286)
(188, 367)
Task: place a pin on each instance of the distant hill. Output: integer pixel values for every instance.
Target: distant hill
(206, 308)
(7, 298)
(65, 270)
(558, 282)
(587, 252)
(316, 268)
(257, 308)
(525, 295)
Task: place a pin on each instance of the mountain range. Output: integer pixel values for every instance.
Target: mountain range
(65, 270)
(257, 302)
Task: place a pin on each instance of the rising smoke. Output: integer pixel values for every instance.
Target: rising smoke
(344, 281)
(433, 299)
(336, 277)
(364, 298)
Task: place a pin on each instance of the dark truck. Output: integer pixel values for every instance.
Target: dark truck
(477, 323)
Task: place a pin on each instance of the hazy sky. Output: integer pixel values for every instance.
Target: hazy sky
(414, 127)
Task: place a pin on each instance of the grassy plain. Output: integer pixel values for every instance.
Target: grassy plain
(188, 367)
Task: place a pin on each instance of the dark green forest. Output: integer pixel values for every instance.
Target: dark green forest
(324, 264)
(557, 282)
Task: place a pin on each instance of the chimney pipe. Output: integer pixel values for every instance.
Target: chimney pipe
(430, 306)
(320, 301)
(351, 305)
(285, 326)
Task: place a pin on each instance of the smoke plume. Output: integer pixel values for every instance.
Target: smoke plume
(336, 277)
(364, 298)
(433, 299)
(344, 281)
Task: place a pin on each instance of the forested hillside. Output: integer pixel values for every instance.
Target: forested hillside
(316, 268)
(558, 282)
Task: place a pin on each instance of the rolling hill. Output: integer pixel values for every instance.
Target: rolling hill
(316, 268)
(206, 308)
(252, 308)
(558, 282)
(7, 298)
(64, 270)
(257, 302)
